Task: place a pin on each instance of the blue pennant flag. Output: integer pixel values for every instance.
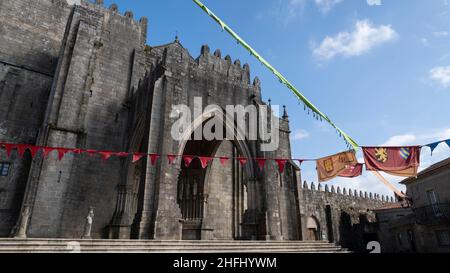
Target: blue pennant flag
(448, 142)
(433, 146)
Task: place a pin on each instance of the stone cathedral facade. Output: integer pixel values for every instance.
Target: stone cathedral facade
(80, 75)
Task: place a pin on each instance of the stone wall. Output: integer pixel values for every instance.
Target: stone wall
(345, 207)
(81, 76)
(87, 110)
(30, 39)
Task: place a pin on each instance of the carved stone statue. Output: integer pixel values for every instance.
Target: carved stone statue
(88, 224)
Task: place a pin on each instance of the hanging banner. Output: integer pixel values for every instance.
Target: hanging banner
(242, 160)
(153, 158)
(137, 157)
(204, 160)
(187, 160)
(8, 147)
(433, 146)
(106, 155)
(261, 163)
(331, 166)
(46, 151)
(316, 112)
(352, 171)
(21, 149)
(281, 163)
(171, 159)
(223, 160)
(399, 161)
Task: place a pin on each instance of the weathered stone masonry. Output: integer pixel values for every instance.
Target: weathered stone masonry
(83, 76)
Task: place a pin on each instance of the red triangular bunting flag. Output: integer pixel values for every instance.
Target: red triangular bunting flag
(261, 163)
(91, 152)
(121, 154)
(21, 149)
(223, 160)
(281, 163)
(204, 160)
(76, 151)
(187, 160)
(171, 158)
(47, 151)
(61, 152)
(153, 158)
(34, 150)
(8, 148)
(137, 157)
(105, 154)
(242, 160)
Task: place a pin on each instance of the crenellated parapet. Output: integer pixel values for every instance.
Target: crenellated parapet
(127, 18)
(233, 70)
(344, 192)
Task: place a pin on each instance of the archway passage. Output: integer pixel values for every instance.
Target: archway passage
(312, 229)
(212, 200)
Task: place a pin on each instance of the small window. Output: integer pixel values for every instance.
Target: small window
(4, 168)
(443, 237)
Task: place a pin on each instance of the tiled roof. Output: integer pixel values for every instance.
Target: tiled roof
(390, 206)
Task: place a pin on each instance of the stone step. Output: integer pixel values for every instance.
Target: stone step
(153, 246)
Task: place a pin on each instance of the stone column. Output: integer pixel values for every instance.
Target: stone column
(272, 205)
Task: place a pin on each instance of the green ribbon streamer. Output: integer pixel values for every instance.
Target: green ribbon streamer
(281, 78)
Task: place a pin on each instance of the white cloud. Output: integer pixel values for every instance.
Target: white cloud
(400, 140)
(440, 153)
(440, 75)
(286, 11)
(326, 5)
(415, 139)
(300, 134)
(440, 34)
(374, 2)
(361, 40)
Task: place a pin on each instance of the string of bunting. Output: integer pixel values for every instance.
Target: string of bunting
(136, 156)
(317, 114)
(399, 161)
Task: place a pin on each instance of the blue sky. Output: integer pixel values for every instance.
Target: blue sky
(379, 68)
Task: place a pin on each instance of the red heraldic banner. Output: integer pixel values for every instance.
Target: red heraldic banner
(399, 161)
(331, 166)
(352, 171)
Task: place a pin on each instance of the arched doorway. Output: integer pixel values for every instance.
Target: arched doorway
(312, 229)
(214, 200)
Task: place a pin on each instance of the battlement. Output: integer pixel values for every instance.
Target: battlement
(346, 192)
(226, 66)
(113, 9)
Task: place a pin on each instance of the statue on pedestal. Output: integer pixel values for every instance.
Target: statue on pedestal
(88, 224)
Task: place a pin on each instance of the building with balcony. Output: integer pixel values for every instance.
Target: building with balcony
(423, 223)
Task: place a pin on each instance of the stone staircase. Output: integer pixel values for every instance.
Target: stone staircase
(10, 245)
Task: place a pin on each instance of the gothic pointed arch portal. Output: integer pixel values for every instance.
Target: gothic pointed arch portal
(214, 200)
